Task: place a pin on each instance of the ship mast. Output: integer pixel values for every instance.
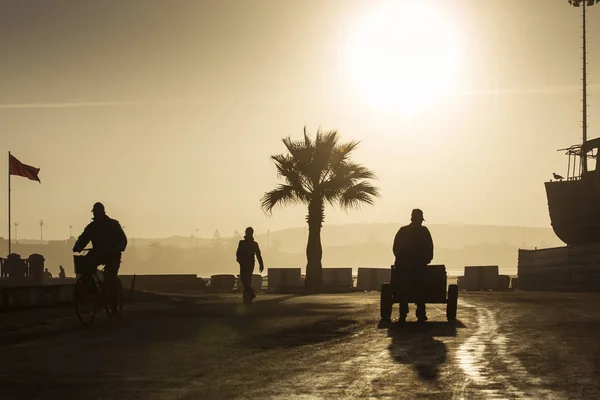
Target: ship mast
(584, 4)
(584, 91)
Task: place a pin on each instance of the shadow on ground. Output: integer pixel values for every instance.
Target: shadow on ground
(415, 344)
(166, 338)
(316, 332)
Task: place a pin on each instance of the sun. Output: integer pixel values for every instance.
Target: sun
(403, 56)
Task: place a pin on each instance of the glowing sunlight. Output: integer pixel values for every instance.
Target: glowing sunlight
(403, 56)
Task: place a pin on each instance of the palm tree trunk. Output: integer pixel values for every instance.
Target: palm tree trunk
(314, 250)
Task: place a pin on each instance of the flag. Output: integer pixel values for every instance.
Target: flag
(16, 167)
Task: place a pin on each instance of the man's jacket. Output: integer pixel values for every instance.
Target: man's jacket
(106, 236)
(413, 246)
(246, 251)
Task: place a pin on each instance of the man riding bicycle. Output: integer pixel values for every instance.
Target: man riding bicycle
(108, 242)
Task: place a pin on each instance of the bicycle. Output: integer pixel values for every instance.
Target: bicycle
(90, 292)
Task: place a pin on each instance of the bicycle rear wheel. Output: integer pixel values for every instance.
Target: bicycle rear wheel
(86, 298)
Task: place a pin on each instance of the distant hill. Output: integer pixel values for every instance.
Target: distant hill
(369, 245)
(446, 236)
(353, 245)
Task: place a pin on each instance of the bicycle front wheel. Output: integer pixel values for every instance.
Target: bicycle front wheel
(86, 298)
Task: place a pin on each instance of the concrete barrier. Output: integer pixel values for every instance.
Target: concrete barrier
(36, 296)
(222, 283)
(163, 283)
(337, 277)
(372, 278)
(256, 283)
(503, 282)
(284, 278)
(480, 277)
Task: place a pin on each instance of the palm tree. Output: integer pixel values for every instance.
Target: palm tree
(315, 173)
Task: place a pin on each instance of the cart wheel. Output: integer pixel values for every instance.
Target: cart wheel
(386, 301)
(452, 303)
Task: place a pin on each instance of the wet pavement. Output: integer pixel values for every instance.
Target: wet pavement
(507, 345)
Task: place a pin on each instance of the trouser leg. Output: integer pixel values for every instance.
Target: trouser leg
(111, 270)
(246, 272)
(421, 312)
(403, 284)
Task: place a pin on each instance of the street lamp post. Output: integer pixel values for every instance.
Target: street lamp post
(41, 231)
(197, 248)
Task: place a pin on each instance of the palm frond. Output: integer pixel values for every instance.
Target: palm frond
(307, 141)
(286, 168)
(324, 147)
(284, 164)
(327, 138)
(343, 176)
(350, 170)
(302, 153)
(342, 152)
(358, 194)
(347, 148)
(282, 195)
(291, 145)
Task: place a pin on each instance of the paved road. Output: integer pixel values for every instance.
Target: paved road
(510, 345)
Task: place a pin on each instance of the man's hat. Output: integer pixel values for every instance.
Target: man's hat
(98, 207)
(417, 213)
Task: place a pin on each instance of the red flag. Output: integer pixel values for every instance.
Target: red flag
(16, 167)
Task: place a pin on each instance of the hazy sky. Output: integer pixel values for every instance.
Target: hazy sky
(168, 111)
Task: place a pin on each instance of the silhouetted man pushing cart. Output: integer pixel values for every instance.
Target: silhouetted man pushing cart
(413, 249)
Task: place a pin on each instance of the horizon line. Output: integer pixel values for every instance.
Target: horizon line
(399, 224)
(133, 102)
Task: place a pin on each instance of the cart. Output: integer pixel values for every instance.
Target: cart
(434, 282)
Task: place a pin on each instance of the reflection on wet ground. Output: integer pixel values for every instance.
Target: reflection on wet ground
(491, 372)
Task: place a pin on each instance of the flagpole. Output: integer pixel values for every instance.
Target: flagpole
(9, 202)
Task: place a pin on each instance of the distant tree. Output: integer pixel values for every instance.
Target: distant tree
(316, 172)
(233, 242)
